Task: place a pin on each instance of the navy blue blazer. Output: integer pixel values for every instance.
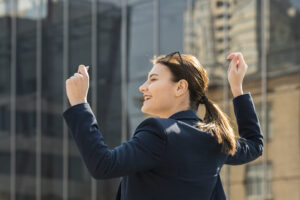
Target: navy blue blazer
(167, 158)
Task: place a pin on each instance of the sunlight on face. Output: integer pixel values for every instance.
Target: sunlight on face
(158, 91)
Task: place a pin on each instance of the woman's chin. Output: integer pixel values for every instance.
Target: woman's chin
(144, 109)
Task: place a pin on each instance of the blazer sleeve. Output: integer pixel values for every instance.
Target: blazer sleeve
(250, 145)
(141, 153)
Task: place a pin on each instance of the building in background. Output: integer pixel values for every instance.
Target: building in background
(282, 114)
(43, 42)
(41, 45)
(245, 32)
(204, 35)
(219, 27)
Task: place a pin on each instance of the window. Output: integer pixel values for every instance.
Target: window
(25, 163)
(254, 180)
(75, 168)
(220, 16)
(5, 163)
(52, 166)
(269, 128)
(221, 3)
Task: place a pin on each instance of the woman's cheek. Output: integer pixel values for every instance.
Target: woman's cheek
(152, 88)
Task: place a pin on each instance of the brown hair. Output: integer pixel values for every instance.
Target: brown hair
(215, 121)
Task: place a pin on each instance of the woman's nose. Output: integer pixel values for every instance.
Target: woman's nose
(142, 88)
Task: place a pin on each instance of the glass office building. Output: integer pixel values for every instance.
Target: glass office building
(42, 42)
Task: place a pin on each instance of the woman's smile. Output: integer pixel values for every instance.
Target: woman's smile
(146, 98)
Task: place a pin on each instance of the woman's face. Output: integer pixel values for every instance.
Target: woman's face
(158, 91)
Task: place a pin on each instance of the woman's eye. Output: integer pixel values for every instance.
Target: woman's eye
(152, 79)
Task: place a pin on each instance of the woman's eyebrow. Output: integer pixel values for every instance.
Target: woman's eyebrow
(152, 75)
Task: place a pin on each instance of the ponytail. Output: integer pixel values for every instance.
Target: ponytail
(217, 123)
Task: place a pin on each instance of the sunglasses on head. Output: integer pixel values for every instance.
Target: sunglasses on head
(180, 61)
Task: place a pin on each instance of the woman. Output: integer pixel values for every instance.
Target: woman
(175, 155)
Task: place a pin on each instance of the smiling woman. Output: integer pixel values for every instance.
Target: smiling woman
(180, 84)
(158, 90)
(174, 154)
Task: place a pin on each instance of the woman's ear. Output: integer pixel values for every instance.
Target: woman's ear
(181, 87)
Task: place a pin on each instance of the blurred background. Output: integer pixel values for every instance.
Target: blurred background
(42, 42)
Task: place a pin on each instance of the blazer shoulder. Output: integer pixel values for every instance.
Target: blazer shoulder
(151, 125)
(165, 125)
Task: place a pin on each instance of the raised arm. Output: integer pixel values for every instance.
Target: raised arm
(142, 152)
(250, 146)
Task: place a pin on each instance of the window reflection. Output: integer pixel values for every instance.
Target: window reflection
(25, 8)
(171, 25)
(76, 168)
(4, 160)
(80, 41)
(51, 166)
(140, 31)
(25, 164)
(109, 108)
(52, 100)
(25, 103)
(5, 89)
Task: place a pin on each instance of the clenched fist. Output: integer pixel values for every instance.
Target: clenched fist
(77, 86)
(236, 73)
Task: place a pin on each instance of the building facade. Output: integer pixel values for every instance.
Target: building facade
(42, 42)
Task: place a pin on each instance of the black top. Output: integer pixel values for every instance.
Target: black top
(166, 158)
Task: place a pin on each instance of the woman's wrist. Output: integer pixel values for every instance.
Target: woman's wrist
(78, 101)
(237, 91)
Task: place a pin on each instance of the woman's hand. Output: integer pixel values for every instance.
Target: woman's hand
(236, 73)
(77, 86)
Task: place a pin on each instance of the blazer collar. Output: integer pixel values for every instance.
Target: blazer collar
(185, 114)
